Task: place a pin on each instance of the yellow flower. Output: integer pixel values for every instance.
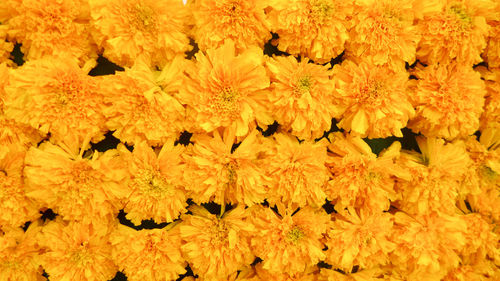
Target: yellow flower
(261, 274)
(154, 31)
(52, 28)
(373, 99)
(5, 47)
(216, 247)
(219, 21)
(359, 238)
(448, 99)
(316, 29)
(297, 171)
(426, 245)
(16, 207)
(371, 274)
(454, 30)
(491, 114)
(301, 99)
(78, 187)
(217, 172)
(56, 96)
(492, 52)
(359, 178)
(148, 254)
(435, 176)
(384, 31)
(77, 252)
(140, 110)
(155, 183)
(481, 242)
(19, 254)
(289, 243)
(223, 89)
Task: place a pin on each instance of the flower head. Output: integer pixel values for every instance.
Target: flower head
(492, 52)
(214, 246)
(289, 242)
(218, 172)
(384, 31)
(491, 115)
(149, 254)
(52, 28)
(128, 30)
(316, 29)
(448, 99)
(5, 47)
(297, 171)
(140, 110)
(223, 89)
(155, 186)
(373, 100)
(219, 21)
(78, 252)
(301, 99)
(57, 97)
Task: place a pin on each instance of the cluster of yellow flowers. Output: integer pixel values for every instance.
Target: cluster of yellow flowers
(243, 128)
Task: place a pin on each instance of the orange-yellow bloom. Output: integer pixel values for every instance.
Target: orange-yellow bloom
(492, 52)
(301, 98)
(155, 187)
(139, 108)
(219, 21)
(435, 176)
(373, 100)
(372, 274)
(289, 242)
(261, 274)
(359, 238)
(148, 29)
(454, 30)
(52, 28)
(19, 254)
(359, 178)
(214, 246)
(297, 171)
(316, 29)
(5, 47)
(215, 171)
(149, 254)
(449, 100)
(77, 252)
(384, 31)
(223, 89)
(77, 186)
(56, 96)
(491, 114)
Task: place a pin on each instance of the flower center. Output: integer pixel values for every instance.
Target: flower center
(371, 93)
(226, 102)
(144, 18)
(232, 175)
(219, 231)
(488, 173)
(321, 10)
(152, 183)
(82, 174)
(71, 86)
(81, 256)
(303, 86)
(461, 13)
(295, 235)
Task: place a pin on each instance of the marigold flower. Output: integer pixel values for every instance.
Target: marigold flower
(482, 271)
(435, 176)
(261, 274)
(491, 114)
(426, 245)
(19, 254)
(214, 246)
(481, 242)
(384, 31)
(78, 187)
(225, 90)
(216, 171)
(140, 110)
(149, 254)
(78, 252)
(448, 99)
(155, 185)
(301, 99)
(52, 28)
(5, 47)
(492, 52)
(371, 274)
(454, 30)
(359, 178)
(219, 21)
(316, 29)
(148, 29)
(373, 100)
(57, 97)
(16, 207)
(297, 171)
(289, 243)
(359, 238)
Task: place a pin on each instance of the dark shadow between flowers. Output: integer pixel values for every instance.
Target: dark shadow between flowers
(104, 67)
(271, 129)
(408, 142)
(145, 224)
(16, 55)
(328, 207)
(271, 49)
(190, 54)
(215, 208)
(184, 138)
(109, 142)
